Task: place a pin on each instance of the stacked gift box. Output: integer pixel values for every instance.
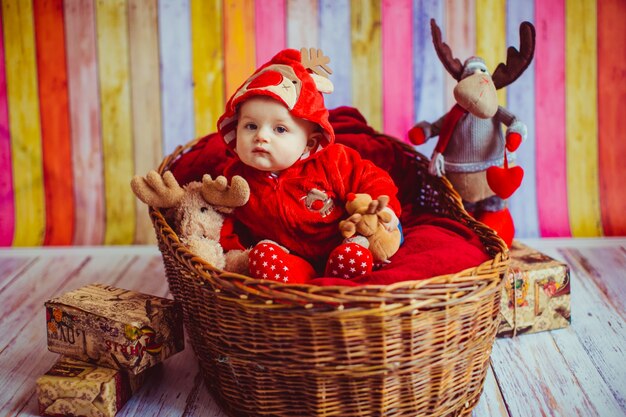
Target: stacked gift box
(536, 294)
(108, 339)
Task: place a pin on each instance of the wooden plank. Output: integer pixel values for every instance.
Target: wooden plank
(600, 329)
(117, 134)
(550, 115)
(460, 34)
(611, 93)
(491, 403)
(270, 38)
(521, 102)
(24, 121)
(208, 64)
(176, 74)
(145, 90)
(84, 104)
(491, 36)
(581, 117)
(55, 124)
(11, 268)
(366, 60)
(239, 43)
(7, 202)
(334, 37)
(428, 72)
(302, 24)
(536, 379)
(396, 17)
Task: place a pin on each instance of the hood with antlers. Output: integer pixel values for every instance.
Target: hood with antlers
(294, 78)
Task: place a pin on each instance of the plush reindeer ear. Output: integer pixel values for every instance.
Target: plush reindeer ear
(315, 60)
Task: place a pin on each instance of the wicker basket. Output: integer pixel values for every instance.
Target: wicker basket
(417, 348)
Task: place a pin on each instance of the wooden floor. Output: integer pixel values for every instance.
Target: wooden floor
(578, 371)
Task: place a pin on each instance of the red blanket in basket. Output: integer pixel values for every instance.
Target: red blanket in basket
(433, 245)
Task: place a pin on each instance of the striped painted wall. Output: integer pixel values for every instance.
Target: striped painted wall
(94, 91)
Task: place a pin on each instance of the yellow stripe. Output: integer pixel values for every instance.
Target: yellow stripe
(581, 118)
(113, 66)
(366, 60)
(146, 100)
(491, 36)
(208, 58)
(24, 122)
(239, 46)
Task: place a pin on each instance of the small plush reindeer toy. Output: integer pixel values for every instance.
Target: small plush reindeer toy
(471, 150)
(199, 210)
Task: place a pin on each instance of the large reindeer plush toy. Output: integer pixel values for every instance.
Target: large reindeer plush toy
(199, 210)
(471, 150)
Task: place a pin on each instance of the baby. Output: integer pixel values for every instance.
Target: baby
(277, 124)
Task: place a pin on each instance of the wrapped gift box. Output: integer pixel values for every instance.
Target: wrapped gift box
(78, 388)
(115, 328)
(536, 293)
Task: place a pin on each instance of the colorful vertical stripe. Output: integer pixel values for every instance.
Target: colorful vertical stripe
(145, 100)
(581, 114)
(176, 74)
(239, 43)
(521, 102)
(302, 24)
(428, 72)
(270, 29)
(7, 206)
(24, 122)
(335, 42)
(366, 59)
(114, 76)
(94, 91)
(550, 118)
(397, 77)
(55, 123)
(207, 54)
(611, 96)
(84, 104)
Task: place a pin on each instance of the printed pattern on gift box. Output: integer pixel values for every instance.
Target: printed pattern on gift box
(536, 295)
(114, 327)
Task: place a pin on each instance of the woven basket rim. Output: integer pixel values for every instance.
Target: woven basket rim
(275, 290)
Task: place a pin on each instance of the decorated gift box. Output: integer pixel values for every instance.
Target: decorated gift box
(78, 388)
(115, 328)
(536, 293)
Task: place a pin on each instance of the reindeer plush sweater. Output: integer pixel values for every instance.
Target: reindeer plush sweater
(301, 207)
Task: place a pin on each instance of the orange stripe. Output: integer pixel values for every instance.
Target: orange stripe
(55, 129)
(239, 45)
(611, 93)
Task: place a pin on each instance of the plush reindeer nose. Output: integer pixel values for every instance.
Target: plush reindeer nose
(351, 196)
(266, 79)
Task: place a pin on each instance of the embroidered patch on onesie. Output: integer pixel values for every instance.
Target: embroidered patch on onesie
(318, 201)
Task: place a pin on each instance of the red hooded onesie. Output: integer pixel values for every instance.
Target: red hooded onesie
(301, 207)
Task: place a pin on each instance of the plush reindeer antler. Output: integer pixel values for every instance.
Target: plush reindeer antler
(225, 198)
(516, 61)
(316, 61)
(453, 65)
(157, 191)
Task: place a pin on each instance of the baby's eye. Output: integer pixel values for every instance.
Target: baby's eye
(250, 126)
(281, 129)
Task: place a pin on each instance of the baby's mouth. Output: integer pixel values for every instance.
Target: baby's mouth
(259, 149)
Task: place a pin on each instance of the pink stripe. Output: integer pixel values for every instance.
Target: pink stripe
(550, 118)
(397, 76)
(270, 29)
(7, 204)
(80, 38)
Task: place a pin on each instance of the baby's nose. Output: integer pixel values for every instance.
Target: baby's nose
(263, 135)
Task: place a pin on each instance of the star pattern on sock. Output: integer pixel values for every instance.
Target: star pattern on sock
(349, 260)
(265, 263)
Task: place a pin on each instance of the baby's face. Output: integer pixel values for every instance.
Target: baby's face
(269, 138)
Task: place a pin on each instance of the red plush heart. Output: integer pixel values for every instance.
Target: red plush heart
(504, 181)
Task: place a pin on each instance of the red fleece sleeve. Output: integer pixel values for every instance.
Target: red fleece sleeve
(362, 176)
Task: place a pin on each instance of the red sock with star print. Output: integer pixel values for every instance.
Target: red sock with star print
(270, 261)
(349, 260)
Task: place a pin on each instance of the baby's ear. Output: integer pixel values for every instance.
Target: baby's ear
(313, 140)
